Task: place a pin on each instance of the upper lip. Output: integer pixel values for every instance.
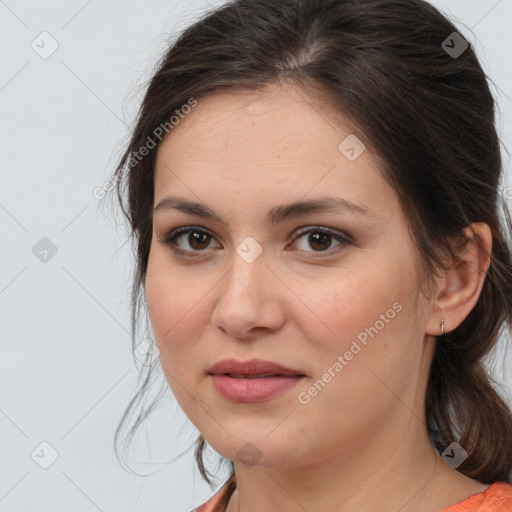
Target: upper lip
(252, 367)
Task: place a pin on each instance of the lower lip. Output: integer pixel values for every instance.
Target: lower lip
(252, 390)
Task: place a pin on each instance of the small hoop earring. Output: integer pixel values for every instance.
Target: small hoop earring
(442, 326)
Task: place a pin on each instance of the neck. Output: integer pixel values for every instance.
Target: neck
(395, 473)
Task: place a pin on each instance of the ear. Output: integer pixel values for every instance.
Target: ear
(459, 289)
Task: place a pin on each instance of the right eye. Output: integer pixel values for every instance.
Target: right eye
(197, 239)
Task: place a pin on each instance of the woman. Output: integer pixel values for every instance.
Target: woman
(313, 186)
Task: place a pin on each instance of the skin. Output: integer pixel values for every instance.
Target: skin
(362, 442)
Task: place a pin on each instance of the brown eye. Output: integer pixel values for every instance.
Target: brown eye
(197, 240)
(320, 239)
(187, 241)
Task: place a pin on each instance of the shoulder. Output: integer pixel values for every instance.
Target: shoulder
(219, 501)
(496, 498)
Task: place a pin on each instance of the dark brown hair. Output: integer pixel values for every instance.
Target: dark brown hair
(428, 114)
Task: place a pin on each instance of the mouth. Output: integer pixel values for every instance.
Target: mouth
(252, 381)
(252, 369)
(254, 387)
(252, 376)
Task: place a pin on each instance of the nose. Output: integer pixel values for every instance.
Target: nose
(248, 300)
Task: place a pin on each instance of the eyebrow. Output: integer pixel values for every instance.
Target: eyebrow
(276, 214)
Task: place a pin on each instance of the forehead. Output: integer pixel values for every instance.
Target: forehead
(243, 109)
(257, 128)
(263, 148)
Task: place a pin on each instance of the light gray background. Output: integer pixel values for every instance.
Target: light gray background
(67, 372)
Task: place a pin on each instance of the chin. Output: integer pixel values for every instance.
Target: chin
(259, 450)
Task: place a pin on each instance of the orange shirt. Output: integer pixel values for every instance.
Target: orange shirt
(496, 498)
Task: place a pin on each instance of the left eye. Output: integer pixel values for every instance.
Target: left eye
(198, 239)
(320, 237)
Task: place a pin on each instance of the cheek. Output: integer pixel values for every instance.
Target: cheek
(371, 336)
(170, 308)
(166, 299)
(347, 305)
(170, 292)
(158, 297)
(363, 364)
(177, 302)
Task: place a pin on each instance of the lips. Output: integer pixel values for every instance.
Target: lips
(250, 376)
(252, 381)
(255, 368)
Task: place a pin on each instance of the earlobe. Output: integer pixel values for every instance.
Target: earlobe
(462, 284)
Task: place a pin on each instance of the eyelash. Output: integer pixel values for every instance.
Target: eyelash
(169, 239)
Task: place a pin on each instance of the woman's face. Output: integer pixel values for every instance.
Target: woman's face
(338, 304)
